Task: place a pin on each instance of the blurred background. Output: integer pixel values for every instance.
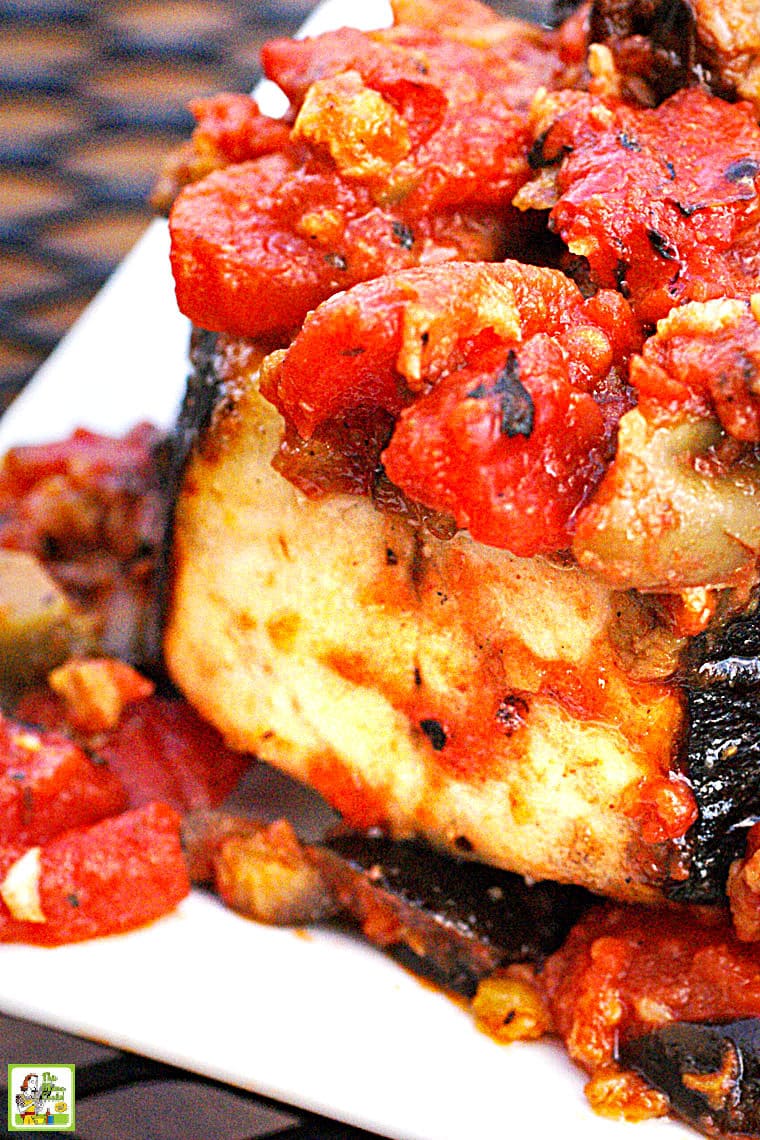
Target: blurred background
(93, 94)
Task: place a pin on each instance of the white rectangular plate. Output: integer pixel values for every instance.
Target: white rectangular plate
(318, 1018)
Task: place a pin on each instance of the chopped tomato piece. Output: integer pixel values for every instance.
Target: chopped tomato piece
(505, 383)
(705, 357)
(664, 203)
(407, 149)
(257, 245)
(231, 128)
(92, 510)
(116, 875)
(624, 970)
(48, 784)
(510, 449)
(160, 749)
(84, 457)
(510, 57)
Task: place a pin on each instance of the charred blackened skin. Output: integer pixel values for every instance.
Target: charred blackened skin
(537, 158)
(621, 269)
(709, 1070)
(741, 169)
(517, 411)
(403, 234)
(664, 35)
(662, 246)
(435, 733)
(721, 757)
(463, 919)
(203, 393)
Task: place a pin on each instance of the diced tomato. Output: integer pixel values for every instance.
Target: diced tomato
(510, 450)
(114, 876)
(408, 148)
(232, 127)
(160, 750)
(512, 64)
(505, 382)
(257, 245)
(663, 806)
(624, 970)
(83, 456)
(664, 203)
(705, 357)
(48, 785)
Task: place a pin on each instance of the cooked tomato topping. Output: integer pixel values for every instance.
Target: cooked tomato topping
(91, 508)
(625, 970)
(503, 379)
(256, 246)
(160, 749)
(508, 446)
(231, 128)
(48, 784)
(416, 64)
(663, 203)
(406, 148)
(118, 874)
(705, 358)
(663, 806)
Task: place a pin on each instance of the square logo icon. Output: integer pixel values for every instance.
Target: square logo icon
(41, 1097)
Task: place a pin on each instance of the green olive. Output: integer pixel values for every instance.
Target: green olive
(39, 628)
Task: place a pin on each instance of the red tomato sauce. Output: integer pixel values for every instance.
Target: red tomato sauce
(627, 970)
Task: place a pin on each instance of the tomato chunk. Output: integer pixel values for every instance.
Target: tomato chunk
(458, 57)
(705, 358)
(664, 203)
(231, 128)
(504, 382)
(257, 245)
(48, 784)
(160, 749)
(624, 970)
(116, 875)
(406, 148)
(510, 450)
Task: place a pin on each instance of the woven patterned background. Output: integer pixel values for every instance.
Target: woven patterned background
(92, 96)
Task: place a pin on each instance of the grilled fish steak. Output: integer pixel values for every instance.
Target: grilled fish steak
(436, 688)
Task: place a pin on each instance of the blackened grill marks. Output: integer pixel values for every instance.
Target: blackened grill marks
(435, 732)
